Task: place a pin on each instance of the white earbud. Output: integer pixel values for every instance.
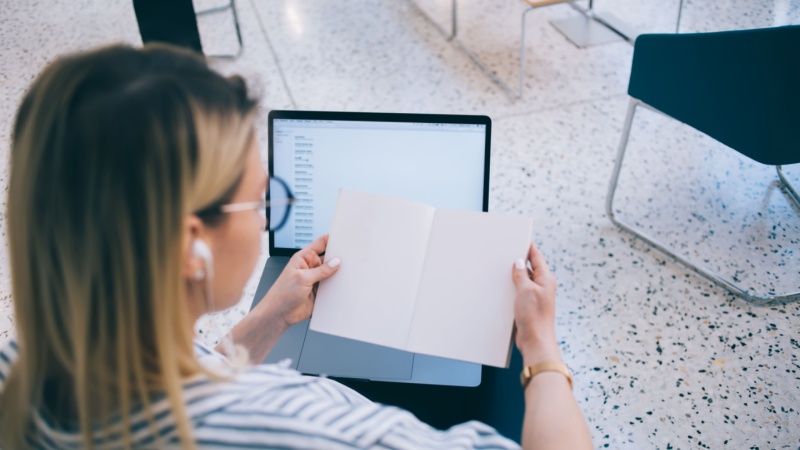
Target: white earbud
(201, 250)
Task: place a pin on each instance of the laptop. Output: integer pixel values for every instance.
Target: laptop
(440, 160)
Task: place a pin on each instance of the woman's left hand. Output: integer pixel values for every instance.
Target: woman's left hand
(289, 301)
(292, 295)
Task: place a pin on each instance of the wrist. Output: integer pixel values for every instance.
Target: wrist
(537, 343)
(270, 315)
(532, 355)
(532, 360)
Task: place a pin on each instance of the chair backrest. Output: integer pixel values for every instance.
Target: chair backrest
(742, 88)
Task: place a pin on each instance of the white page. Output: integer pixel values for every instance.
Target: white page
(465, 304)
(381, 242)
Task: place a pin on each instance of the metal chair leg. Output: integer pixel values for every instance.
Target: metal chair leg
(488, 71)
(666, 249)
(789, 187)
(491, 73)
(232, 6)
(522, 52)
(453, 20)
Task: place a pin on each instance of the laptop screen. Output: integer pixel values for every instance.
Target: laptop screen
(440, 160)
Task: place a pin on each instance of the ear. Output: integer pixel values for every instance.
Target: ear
(191, 264)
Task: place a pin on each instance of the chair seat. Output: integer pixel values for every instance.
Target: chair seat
(738, 87)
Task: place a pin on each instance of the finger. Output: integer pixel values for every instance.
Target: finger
(520, 274)
(323, 271)
(310, 254)
(319, 245)
(309, 257)
(538, 264)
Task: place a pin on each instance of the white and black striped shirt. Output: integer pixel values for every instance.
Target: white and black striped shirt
(269, 406)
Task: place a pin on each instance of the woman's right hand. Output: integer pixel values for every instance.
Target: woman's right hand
(552, 417)
(293, 293)
(535, 309)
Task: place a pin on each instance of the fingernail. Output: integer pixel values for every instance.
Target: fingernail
(520, 264)
(334, 262)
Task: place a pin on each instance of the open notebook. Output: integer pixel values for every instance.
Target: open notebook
(422, 279)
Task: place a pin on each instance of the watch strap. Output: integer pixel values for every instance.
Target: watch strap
(528, 372)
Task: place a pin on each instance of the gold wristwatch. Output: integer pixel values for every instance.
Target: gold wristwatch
(528, 372)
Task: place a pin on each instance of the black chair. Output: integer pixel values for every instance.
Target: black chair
(741, 88)
(175, 22)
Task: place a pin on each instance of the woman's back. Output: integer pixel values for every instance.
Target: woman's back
(265, 406)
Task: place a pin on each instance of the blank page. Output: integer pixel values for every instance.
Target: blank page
(465, 305)
(381, 242)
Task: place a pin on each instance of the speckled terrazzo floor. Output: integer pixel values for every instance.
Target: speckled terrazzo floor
(662, 358)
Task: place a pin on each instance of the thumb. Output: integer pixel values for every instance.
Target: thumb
(520, 273)
(324, 270)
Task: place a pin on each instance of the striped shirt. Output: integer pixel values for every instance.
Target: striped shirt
(268, 406)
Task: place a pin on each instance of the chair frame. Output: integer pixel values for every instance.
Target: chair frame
(452, 36)
(516, 93)
(664, 248)
(788, 185)
(485, 68)
(232, 6)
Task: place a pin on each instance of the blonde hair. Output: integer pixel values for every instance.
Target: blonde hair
(112, 150)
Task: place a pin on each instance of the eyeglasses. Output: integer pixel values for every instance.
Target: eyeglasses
(275, 208)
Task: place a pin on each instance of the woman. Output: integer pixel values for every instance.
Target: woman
(135, 206)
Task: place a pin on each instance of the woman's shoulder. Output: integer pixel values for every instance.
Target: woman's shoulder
(271, 405)
(269, 380)
(275, 407)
